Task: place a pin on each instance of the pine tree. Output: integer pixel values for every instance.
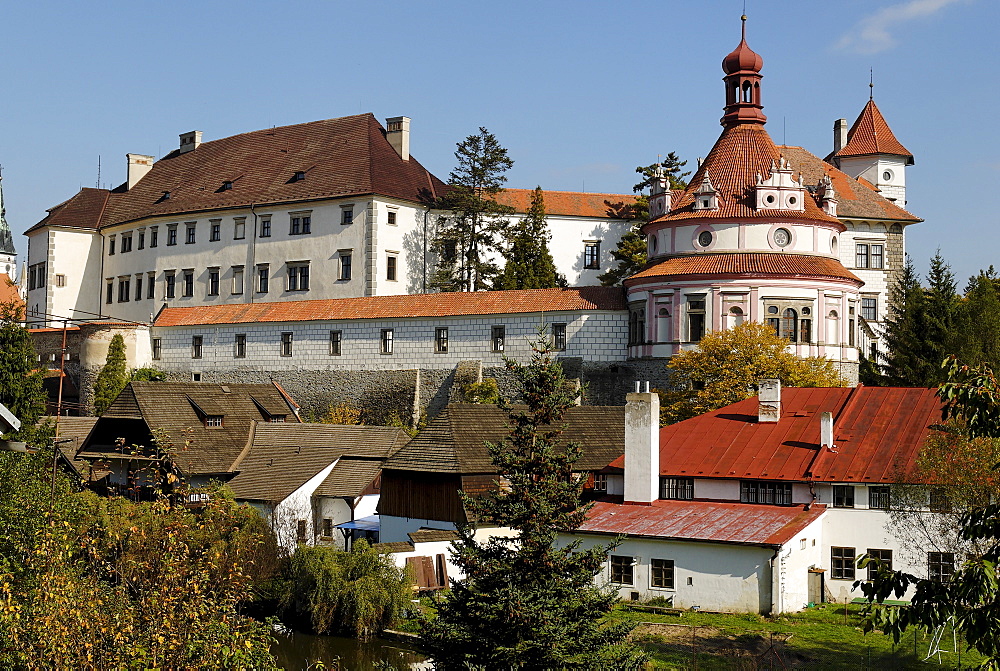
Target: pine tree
(529, 261)
(20, 378)
(468, 237)
(113, 376)
(907, 360)
(527, 603)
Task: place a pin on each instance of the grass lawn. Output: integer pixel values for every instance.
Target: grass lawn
(817, 638)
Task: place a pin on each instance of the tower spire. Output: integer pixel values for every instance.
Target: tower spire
(8, 254)
(742, 68)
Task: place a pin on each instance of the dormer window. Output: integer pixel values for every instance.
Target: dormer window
(780, 190)
(298, 176)
(705, 196)
(213, 421)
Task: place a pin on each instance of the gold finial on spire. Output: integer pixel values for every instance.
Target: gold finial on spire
(871, 83)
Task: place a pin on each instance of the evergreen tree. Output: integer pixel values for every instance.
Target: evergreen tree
(908, 360)
(20, 378)
(526, 603)
(113, 376)
(940, 336)
(529, 261)
(468, 237)
(978, 322)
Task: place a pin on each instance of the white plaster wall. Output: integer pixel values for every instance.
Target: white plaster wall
(792, 565)
(336, 509)
(76, 254)
(298, 506)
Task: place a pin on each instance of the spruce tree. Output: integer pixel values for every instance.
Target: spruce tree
(21, 387)
(907, 360)
(113, 376)
(979, 322)
(527, 603)
(529, 261)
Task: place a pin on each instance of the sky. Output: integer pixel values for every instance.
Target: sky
(579, 92)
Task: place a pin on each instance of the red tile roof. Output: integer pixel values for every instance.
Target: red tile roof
(878, 432)
(870, 134)
(8, 291)
(732, 265)
(741, 523)
(567, 203)
(395, 307)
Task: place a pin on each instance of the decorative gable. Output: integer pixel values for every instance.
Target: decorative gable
(705, 196)
(827, 196)
(660, 196)
(780, 191)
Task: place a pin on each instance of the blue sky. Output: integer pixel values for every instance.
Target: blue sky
(579, 92)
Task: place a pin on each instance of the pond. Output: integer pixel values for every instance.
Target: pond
(295, 651)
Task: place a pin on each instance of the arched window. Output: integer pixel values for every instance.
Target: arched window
(789, 325)
(735, 316)
(746, 92)
(832, 328)
(637, 327)
(663, 325)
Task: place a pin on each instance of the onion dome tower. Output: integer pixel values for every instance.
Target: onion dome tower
(745, 241)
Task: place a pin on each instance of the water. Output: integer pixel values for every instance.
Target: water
(295, 651)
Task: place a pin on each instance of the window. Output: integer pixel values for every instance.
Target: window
(559, 337)
(188, 283)
(213, 281)
(391, 220)
(196, 345)
(213, 421)
(171, 234)
(345, 266)
(842, 563)
(884, 556)
(286, 344)
(150, 285)
(861, 255)
(124, 289)
(36, 276)
(347, 215)
(215, 230)
(142, 240)
(843, 496)
(677, 488)
(758, 491)
(878, 256)
(138, 287)
(390, 268)
(300, 223)
(336, 341)
(298, 277)
(109, 295)
(600, 482)
(637, 326)
(497, 336)
(111, 246)
(239, 228)
(441, 340)
(878, 498)
(696, 318)
(190, 233)
(661, 573)
(265, 227)
(788, 325)
(621, 570)
(300, 531)
(386, 341)
(240, 346)
(327, 527)
(940, 501)
(940, 566)
(157, 348)
(263, 274)
(60, 280)
(869, 309)
(237, 280)
(449, 251)
(169, 284)
(592, 255)
(126, 243)
(154, 236)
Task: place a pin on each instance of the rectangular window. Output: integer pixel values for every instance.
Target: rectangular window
(171, 234)
(286, 344)
(239, 228)
(347, 215)
(498, 337)
(559, 337)
(696, 319)
(138, 287)
(240, 346)
(345, 266)
(386, 341)
(861, 255)
(124, 289)
(391, 220)
(126, 243)
(298, 277)
(661, 573)
(940, 501)
(109, 296)
(621, 570)
(940, 566)
(441, 340)
(154, 236)
(213, 281)
(111, 246)
(600, 482)
(677, 488)
(327, 527)
(237, 280)
(878, 498)
(213, 421)
(215, 230)
(265, 227)
(196, 345)
(142, 240)
(300, 531)
(869, 309)
(851, 327)
(842, 563)
(150, 285)
(336, 341)
(36, 276)
(760, 491)
(878, 256)
(157, 348)
(188, 283)
(884, 556)
(190, 233)
(263, 276)
(592, 255)
(60, 280)
(300, 224)
(805, 330)
(169, 284)
(843, 496)
(390, 268)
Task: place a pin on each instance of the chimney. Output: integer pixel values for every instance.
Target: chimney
(397, 132)
(138, 166)
(642, 447)
(826, 431)
(839, 134)
(768, 401)
(190, 141)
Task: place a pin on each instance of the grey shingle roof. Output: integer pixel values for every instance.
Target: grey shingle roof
(350, 477)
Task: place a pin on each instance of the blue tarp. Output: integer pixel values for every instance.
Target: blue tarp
(365, 524)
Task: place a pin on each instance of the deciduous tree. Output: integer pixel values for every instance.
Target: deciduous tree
(20, 376)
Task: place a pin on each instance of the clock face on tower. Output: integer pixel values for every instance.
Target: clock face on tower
(782, 237)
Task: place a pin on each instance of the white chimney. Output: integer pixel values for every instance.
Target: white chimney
(768, 400)
(826, 431)
(138, 166)
(190, 141)
(839, 134)
(642, 447)
(397, 132)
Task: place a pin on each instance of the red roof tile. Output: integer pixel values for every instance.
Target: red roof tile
(732, 265)
(741, 523)
(870, 134)
(567, 203)
(8, 291)
(394, 307)
(878, 432)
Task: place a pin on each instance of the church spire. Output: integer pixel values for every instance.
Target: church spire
(742, 68)
(8, 254)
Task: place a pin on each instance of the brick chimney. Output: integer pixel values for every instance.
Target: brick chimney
(397, 132)
(768, 401)
(138, 166)
(642, 447)
(190, 141)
